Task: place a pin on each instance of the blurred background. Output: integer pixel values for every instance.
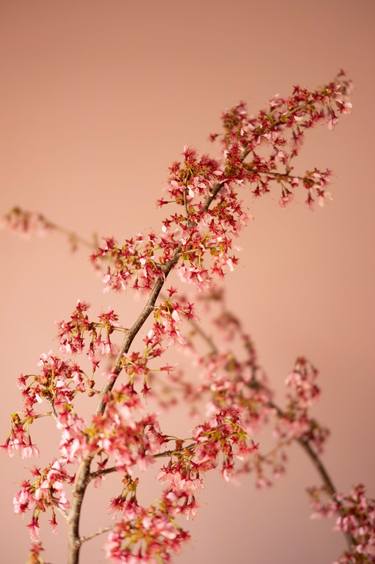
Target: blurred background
(97, 98)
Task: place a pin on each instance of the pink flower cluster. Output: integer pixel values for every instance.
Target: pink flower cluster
(232, 378)
(57, 383)
(19, 438)
(145, 535)
(44, 492)
(199, 236)
(223, 435)
(124, 435)
(74, 333)
(295, 421)
(355, 517)
(279, 131)
(166, 330)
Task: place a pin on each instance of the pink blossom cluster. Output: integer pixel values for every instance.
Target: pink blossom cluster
(198, 238)
(223, 435)
(166, 327)
(124, 434)
(231, 377)
(19, 438)
(58, 383)
(281, 129)
(74, 334)
(355, 517)
(44, 492)
(145, 535)
(295, 421)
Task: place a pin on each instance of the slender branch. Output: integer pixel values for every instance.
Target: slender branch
(104, 472)
(93, 535)
(111, 469)
(317, 462)
(62, 512)
(199, 331)
(79, 489)
(83, 472)
(133, 331)
(326, 478)
(73, 237)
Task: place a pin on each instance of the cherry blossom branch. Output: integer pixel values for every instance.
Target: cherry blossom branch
(202, 238)
(83, 473)
(304, 442)
(164, 453)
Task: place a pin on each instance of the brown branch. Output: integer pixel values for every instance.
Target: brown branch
(199, 331)
(93, 535)
(111, 469)
(104, 472)
(79, 489)
(73, 237)
(326, 478)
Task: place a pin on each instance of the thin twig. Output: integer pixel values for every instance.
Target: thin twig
(62, 512)
(73, 237)
(199, 331)
(93, 535)
(111, 469)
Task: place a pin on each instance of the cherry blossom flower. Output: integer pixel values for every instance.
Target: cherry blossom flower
(44, 492)
(79, 333)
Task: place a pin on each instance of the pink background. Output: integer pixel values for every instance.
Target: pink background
(97, 99)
